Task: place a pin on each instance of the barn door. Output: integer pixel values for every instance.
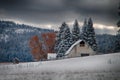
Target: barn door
(84, 54)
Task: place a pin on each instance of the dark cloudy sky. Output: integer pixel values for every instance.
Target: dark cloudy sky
(51, 13)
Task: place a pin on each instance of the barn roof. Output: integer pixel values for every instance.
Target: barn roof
(77, 42)
(68, 51)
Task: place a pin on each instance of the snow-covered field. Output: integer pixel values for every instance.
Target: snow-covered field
(99, 67)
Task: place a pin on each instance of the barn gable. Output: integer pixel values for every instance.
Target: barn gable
(79, 48)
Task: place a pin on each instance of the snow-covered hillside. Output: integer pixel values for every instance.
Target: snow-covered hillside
(98, 67)
(14, 40)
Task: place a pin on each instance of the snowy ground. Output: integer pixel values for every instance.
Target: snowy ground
(99, 67)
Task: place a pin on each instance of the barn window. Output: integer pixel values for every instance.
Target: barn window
(82, 44)
(84, 54)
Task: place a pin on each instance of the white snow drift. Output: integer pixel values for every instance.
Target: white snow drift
(99, 67)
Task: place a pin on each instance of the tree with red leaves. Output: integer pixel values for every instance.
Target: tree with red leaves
(36, 49)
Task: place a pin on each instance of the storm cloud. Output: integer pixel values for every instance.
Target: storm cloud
(54, 12)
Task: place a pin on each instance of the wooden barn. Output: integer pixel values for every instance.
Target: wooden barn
(78, 49)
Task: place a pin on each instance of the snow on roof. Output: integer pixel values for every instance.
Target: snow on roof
(68, 51)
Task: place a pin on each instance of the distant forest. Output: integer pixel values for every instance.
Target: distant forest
(14, 41)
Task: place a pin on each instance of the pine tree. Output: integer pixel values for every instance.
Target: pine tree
(118, 23)
(67, 35)
(91, 35)
(66, 41)
(63, 47)
(76, 31)
(88, 34)
(84, 34)
(59, 37)
(117, 42)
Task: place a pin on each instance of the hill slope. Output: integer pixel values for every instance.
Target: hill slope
(99, 67)
(14, 40)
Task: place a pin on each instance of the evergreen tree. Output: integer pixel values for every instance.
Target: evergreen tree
(88, 34)
(59, 37)
(67, 35)
(117, 44)
(84, 34)
(66, 41)
(76, 31)
(118, 23)
(63, 47)
(91, 35)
